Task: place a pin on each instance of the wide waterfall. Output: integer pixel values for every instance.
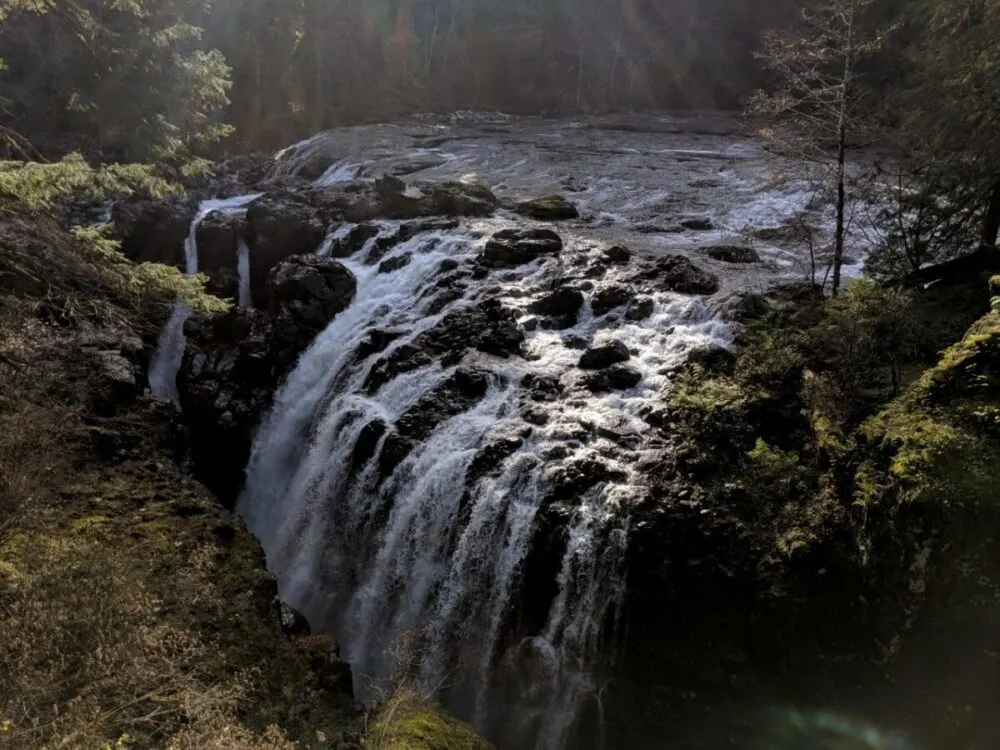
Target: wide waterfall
(424, 560)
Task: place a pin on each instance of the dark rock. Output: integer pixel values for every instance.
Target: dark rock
(116, 384)
(697, 224)
(377, 341)
(714, 359)
(640, 308)
(605, 355)
(293, 623)
(354, 241)
(574, 478)
(618, 254)
(609, 298)
(542, 387)
(733, 253)
(796, 291)
(746, 307)
(154, 231)
(561, 307)
(279, 227)
(394, 264)
(449, 264)
(615, 378)
(514, 247)
(218, 235)
(389, 187)
(322, 657)
(304, 293)
(678, 274)
(548, 208)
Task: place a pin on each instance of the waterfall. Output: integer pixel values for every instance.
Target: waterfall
(169, 352)
(430, 553)
(243, 272)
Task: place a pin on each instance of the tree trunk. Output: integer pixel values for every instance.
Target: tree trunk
(838, 246)
(991, 220)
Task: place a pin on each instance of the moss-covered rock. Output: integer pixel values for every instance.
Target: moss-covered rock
(408, 720)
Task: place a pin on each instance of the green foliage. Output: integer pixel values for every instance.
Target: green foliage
(42, 186)
(408, 720)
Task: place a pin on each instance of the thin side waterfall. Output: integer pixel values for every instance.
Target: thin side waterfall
(166, 360)
(433, 551)
(243, 272)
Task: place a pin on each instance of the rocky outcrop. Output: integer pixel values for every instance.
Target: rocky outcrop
(548, 208)
(154, 231)
(561, 307)
(676, 273)
(279, 227)
(393, 199)
(510, 248)
(604, 356)
(732, 253)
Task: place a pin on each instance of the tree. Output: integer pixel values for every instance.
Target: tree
(818, 91)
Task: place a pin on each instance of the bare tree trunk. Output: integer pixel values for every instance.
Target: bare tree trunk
(991, 220)
(838, 245)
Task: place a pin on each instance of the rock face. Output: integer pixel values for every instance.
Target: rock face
(154, 231)
(548, 208)
(279, 227)
(304, 293)
(733, 253)
(515, 247)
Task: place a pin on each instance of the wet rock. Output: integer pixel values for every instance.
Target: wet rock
(796, 291)
(218, 235)
(459, 199)
(377, 341)
(438, 224)
(279, 227)
(354, 241)
(548, 208)
(394, 264)
(388, 186)
(640, 309)
(447, 265)
(609, 298)
(615, 378)
(732, 253)
(574, 478)
(492, 454)
(746, 307)
(514, 247)
(456, 395)
(697, 224)
(115, 384)
(561, 307)
(154, 231)
(322, 657)
(677, 273)
(605, 355)
(489, 327)
(367, 443)
(542, 388)
(304, 293)
(618, 254)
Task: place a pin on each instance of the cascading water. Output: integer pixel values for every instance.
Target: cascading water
(433, 550)
(170, 348)
(243, 272)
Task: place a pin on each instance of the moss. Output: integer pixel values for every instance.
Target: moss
(409, 721)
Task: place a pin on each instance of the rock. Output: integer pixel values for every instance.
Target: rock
(279, 227)
(640, 309)
(304, 293)
(697, 224)
(714, 359)
(615, 378)
(609, 298)
(389, 187)
(796, 291)
(154, 231)
(423, 199)
(293, 623)
(677, 273)
(354, 241)
(746, 307)
(618, 254)
(514, 247)
(459, 199)
(548, 208)
(542, 387)
(561, 307)
(217, 235)
(394, 264)
(605, 355)
(732, 253)
(447, 265)
(320, 654)
(116, 385)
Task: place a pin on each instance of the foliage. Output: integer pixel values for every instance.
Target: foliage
(408, 720)
(42, 186)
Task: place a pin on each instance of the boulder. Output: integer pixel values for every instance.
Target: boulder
(609, 298)
(697, 224)
(423, 199)
(293, 623)
(279, 227)
(677, 273)
(154, 231)
(618, 254)
(615, 378)
(732, 253)
(561, 307)
(605, 355)
(548, 208)
(354, 241)
(640, 308)
(394, 264)
(510, 248)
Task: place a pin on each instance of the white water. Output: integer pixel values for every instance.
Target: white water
(169, 352)
(243, 272)
(424, 555)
